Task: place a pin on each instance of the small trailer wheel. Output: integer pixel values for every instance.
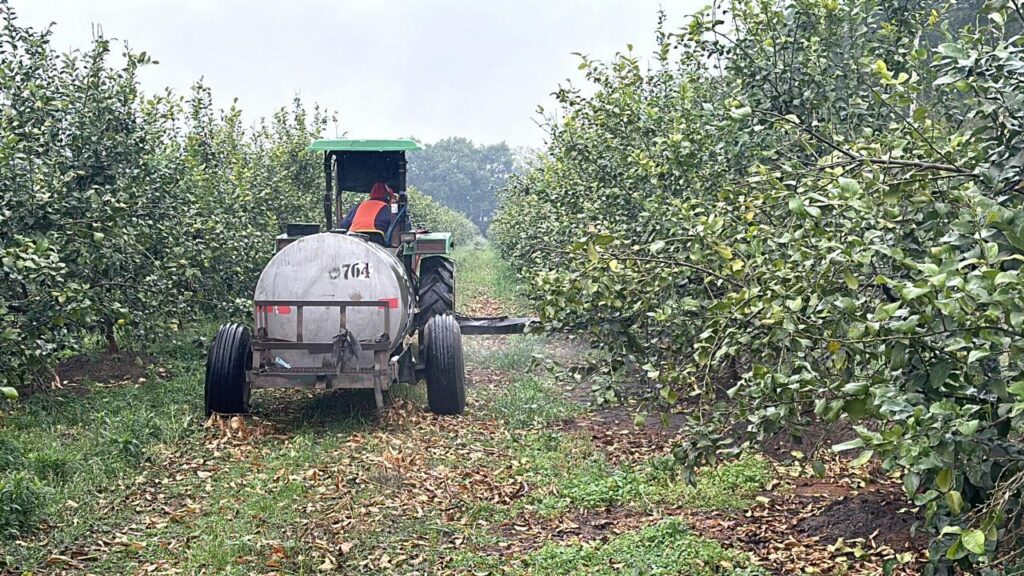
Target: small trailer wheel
(446, 378)
(225, 390)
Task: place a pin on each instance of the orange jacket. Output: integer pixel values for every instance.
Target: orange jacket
(366, 218)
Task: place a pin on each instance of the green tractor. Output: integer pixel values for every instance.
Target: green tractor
(337, 309)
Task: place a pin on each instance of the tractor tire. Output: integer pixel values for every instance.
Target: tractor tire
(225, 389)
(436, 295)
(445, 372)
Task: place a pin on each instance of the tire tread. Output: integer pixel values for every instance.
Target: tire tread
(445, 368)
(436, 289)
(225, 390)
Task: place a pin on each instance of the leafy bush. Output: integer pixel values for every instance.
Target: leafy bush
(119, 209)
(807, 210)
(22, 501)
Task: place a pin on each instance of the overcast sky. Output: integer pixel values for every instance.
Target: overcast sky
(429, 68)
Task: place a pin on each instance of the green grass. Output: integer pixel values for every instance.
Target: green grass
(482, 273)
(529, 399)
(733, 485)
(69, 458)
(665, 548)
(70, 454)
(530, 402)
(580, 477)
(244, 510)
(566, 473)
(513, 354)
(662, 549)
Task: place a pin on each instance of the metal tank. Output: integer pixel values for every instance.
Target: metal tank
(324, 292)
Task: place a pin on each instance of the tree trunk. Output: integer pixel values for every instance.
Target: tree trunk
(108, 331)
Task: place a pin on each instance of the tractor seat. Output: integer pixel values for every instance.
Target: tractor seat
(375, 236)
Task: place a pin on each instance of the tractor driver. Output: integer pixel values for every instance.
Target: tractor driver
(373, 215)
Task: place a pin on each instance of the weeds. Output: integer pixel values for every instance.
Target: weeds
(531, 402)
(22, 501)
(662, 549)
(484, 277)
(568, 473)
(82, 445)
(515, 354)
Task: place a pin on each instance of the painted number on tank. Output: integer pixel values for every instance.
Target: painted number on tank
(356, 270)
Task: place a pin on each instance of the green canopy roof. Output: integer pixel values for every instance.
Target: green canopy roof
(348, 145)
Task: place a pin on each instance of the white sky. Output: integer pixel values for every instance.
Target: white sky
(428, 68)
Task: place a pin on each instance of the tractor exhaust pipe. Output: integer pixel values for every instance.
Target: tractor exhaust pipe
(327, 192)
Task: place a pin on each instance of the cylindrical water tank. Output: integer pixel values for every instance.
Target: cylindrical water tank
(330, 266)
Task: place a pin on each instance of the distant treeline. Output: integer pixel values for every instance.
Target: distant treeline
(465, 176)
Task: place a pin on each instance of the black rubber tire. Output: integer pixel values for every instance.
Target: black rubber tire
(436, 294)
(225, 389)
(445, 371)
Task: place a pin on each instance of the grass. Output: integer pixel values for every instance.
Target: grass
(531, 401)
(243, 512)
(731, 485)
(570, 474)
(665, 548)
(662, 549)
(483, 275)
(69, 455)
(515, 354)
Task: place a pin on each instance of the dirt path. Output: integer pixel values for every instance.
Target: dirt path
(530, 481)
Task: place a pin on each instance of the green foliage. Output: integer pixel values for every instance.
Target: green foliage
(463, 176)
(972, 13)
(428, 213)
(123, 211)
(732, 484)
(814, 211)
(63, 454)
(22, 501)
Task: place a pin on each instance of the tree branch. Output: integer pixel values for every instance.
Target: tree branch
(853, 157)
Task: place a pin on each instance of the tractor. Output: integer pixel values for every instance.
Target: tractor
(334, 309)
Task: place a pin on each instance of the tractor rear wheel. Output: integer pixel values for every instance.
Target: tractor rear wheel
(226, 391)
(436, 293)
(446, 377)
